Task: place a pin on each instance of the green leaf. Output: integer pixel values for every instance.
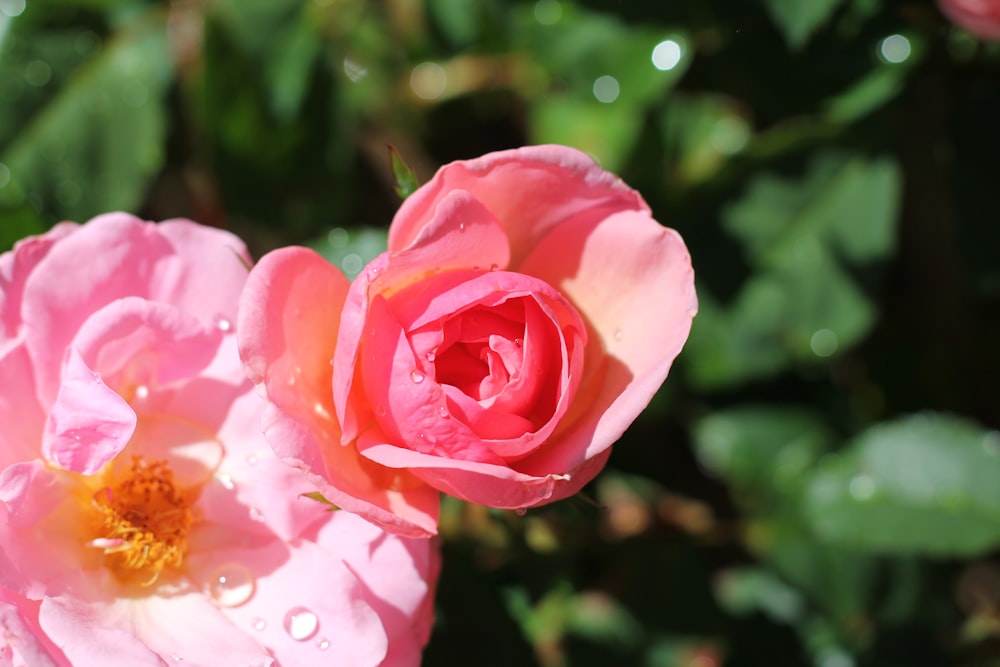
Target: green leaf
(846, 201)
(764, 449)
(97, 143)
(924, 484)
(799, 19)
(406, 180)
(320, 498)
(744, 590)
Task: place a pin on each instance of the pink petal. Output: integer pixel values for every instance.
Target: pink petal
(483, 483)
(154, 630)
(640, 312)
(19, 626)
(286, 343)
(529, 190)
(138, 342)
(459, 233)
(89, 424)
(313, 581)
(136, 259)
(399, 577)
(20, 414)
(15, 267)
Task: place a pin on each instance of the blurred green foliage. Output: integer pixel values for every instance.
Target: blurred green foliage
(817, 483)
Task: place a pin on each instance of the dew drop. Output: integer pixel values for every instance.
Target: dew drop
(461, 226)
(255, 514)
(619, 334)
(416, 376)
(223, 324)
(252, 459)
(322, 643)
(380, 411)
(518, 342)
(259, 624)
(301, 624)
(142, 392)
(431, 356)
(226, 480)
(443, 411)
(231, 585)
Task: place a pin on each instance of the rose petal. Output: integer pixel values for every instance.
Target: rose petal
(286, 343)
(483, 483)
(640, 321)
(460, 233)
(15, 267)
(136, 258)
(313, 580)
(19, 626)
(20, 414)
(145, 343)
(530, 190)
(88, 424)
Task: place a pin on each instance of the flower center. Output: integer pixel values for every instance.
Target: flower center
(144, 523)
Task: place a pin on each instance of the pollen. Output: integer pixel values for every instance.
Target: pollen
(143, 523)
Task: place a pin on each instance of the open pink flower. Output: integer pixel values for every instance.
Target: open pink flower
(980, 17)
(143, 518)
(527, 309)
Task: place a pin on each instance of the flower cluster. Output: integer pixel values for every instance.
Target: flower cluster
(155, 508)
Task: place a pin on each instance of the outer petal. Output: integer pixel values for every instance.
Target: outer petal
(980, 17)
(315, 581)
(287, 344)
(15, 267)
(20, 414)
(640, 319)
(135, 259)
(28, 645)
(529, 190)
(89, 423)
(398, 577)
(145, 631)
(484, 483)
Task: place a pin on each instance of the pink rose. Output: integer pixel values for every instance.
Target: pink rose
(980, 17)
(526, 311)
(143, 518)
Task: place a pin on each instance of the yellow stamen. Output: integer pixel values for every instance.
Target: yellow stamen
(143, 522)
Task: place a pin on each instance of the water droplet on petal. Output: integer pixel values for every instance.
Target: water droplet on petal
(518, 342)
(443, 412)
(416, 376)
(619, 334)
(322, 643)
(142, 392)
(380, 411)
(255, 514)
(226, 480)
(431, 356)
(252, 459)
(231, 585)
(461, 226)
(301, 624)
(223, 324)
(259, 624)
